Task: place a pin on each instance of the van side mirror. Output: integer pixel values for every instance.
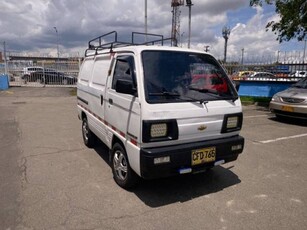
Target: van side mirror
(125, 86)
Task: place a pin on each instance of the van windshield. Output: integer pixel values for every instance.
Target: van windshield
(172, 76)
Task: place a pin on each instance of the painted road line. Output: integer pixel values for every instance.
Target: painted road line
(283, 138)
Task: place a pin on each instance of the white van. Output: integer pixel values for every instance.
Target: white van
(161, 111)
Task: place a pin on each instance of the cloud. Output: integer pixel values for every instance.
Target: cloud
(253, 37)
(250, 36)
(29, 25)
(208, 8)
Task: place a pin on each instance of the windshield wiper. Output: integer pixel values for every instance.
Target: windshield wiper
(205, 90)
(222, 95)
(165, 93)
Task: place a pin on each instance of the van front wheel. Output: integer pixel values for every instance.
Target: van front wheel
(123, 175)
(88, 136)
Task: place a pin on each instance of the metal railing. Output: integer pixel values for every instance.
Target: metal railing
(281, 71)
(65, 73)
(43, 74)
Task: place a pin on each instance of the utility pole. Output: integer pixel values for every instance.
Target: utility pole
(242, 56)
(5, 59)
(304, 51)
(189, 4)
(146, 20)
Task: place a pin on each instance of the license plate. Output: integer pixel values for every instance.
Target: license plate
(287, 108)
(200, 156)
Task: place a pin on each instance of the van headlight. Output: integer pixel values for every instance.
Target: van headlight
(158, 130)
(161, 130)
(232, 122)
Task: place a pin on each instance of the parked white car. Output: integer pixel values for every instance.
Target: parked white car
(261, 76)
(28, 70)
(299, 74)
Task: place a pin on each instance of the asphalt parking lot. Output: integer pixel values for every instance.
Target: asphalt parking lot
(50, 180)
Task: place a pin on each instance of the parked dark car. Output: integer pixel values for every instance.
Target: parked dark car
(52, 77)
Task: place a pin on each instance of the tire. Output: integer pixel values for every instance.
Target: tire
(89, 138)
(123, 175)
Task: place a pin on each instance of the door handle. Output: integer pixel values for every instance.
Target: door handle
(111, 101)
(101, 99)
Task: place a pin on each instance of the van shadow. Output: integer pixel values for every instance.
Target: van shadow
(165, 191)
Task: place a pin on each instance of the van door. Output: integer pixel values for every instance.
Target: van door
(122, 107)
(96, 93)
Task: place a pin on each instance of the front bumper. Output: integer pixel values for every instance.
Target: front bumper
(289, 110)
(181, 157)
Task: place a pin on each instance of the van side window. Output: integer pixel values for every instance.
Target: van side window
(123, 70)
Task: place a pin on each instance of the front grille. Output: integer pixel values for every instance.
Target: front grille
(292, 100)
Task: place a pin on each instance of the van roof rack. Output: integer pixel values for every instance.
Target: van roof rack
(107, 42)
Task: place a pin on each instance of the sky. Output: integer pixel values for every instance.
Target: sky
(27, 26)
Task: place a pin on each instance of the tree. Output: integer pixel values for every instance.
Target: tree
(293, 18)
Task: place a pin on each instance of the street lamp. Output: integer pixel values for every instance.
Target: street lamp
(57, 34)
(226, 33)
(189, 4)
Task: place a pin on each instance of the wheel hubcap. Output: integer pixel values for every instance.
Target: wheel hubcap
(85, 130)
(120, 165)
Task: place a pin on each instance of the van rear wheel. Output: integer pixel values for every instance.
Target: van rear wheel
(123, 175)
(88, 137)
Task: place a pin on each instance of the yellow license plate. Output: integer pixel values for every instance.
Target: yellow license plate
(200, 156)
(287, 108)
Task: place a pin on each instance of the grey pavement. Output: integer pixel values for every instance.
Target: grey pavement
(50, 180)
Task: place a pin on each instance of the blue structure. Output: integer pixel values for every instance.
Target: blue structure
(262, 88)
(4, 82)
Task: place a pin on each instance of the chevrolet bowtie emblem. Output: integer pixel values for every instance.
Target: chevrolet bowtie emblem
(202, 127)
